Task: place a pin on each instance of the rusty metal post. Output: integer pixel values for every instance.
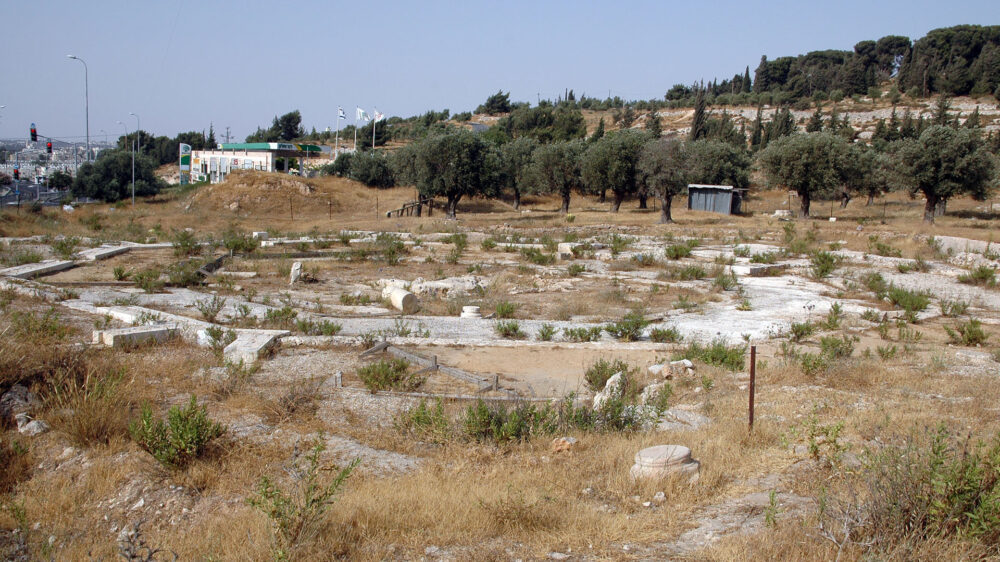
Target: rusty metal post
(753, 379)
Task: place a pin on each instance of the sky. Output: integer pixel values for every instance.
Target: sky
(182, 65)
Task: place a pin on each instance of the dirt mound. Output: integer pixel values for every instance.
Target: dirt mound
(247, 192)
(169, 173)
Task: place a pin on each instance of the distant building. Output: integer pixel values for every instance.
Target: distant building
(724, 199)
(214, 165)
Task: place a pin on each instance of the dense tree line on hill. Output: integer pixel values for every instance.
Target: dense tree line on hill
(109, 178)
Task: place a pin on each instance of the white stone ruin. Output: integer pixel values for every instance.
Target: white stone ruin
(662, 461)
(471, 312)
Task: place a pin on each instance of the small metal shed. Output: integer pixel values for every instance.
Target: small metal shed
(724, 199)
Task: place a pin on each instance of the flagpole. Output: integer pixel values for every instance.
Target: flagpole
(355, 129)
(336, 142)
(373, 129)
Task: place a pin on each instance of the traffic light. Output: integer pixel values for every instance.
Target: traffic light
(48, 147)
(34, 133)
(17, 174)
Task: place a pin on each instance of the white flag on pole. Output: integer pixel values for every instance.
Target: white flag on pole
(340, 113)
(362, 115)
(378, 116)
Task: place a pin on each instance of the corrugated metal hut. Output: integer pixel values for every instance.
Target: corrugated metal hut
(724, 199)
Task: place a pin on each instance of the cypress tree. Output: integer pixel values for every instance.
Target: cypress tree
(815, 123)
(599, 132)
(653, 124)
(746, 80)
(699, 119)
(757, 131)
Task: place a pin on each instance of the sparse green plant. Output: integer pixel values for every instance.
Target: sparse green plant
(596, 376)
(546, 332)
(575, 269)
(185, 273)
(725, 281)
(236, 241)
(983, 276)
(717, 353)
(619, 243)
(876, 284)
(771, 511)
(389, 374)
(665, 335)
(509, 329)
(644, 260)
(120, 273)
(182, 437)
(488, 244)
(886, 352)
(19, 256)
(535, 256)
(911, 302)
(741, 251)
(916, 265)
(427, 423)
(764, 257)
(283, 317)
(878, 247)
(952, 309)
(295, 516)
(65, 247)
(148, 280)
(505, 309)
(629, 328)
(837, 347)
(219, 338)
(871, 315)
(822, 264)
(969, 333)
(683, 302)
(907, 335)
(184, 243)
(801, 330)
(583, 334)
(834, 316)
(210, 308)
(359, 299)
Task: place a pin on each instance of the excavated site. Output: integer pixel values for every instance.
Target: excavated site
(542, 390)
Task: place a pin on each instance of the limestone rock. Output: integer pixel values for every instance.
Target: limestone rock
(662, 461)
(679, 419)
(30, 427)
(651, 392)
(564, 444)
(17, 400)
(612, 387)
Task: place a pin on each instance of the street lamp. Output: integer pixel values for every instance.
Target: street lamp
(133, 163)
(86, 94)
(138, 139)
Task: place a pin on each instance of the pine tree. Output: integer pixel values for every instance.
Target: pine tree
(941, 110)
(210, 140)
(746, 80)
(834, 123)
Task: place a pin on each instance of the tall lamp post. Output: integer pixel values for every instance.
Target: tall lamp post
(133, 163)
(138, 127)
(86, 94)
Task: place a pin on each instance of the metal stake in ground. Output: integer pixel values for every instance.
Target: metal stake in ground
(753, 380)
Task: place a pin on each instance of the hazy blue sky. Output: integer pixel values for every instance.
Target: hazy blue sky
(181, 64)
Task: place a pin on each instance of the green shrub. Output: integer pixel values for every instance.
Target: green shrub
(283, 317)
(983, 275)
(968, 333)
(717, 353)
(66, 247)
(505, 309)
(425, 423)
(120, 273)
(916, 265)
(17, 257)
(629, 328)
(644, 260)
(546, 332)
(766, 257)
(822, 264)
(185, 273)
(30, 325)
(297, 516)
(501, 424)
(148, 280)
(665, 335)
(910, 301)
(355, 300)
(952, 309)
(597, 375)
(834, 316)
(835, 347)
(321, 328)
(802, 330)
(236, 241)
(183, 437)
(575, 269)
(677, 251)
(876, 246)
(509, 329)
(725, 281)
(876, 284)
(535, 256)
(582, 334)
(184, 243)
(389, 374)
(210, 308)
(741, 251)
(619, 243)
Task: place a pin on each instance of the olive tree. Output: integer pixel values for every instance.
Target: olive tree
(716, 162)
(811, 164)
(945, 162)
(453, 165)
(609, 163)
(665, 170)
(555, 168)
(516, 156)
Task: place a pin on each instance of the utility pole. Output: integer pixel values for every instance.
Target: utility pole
(227, 135)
